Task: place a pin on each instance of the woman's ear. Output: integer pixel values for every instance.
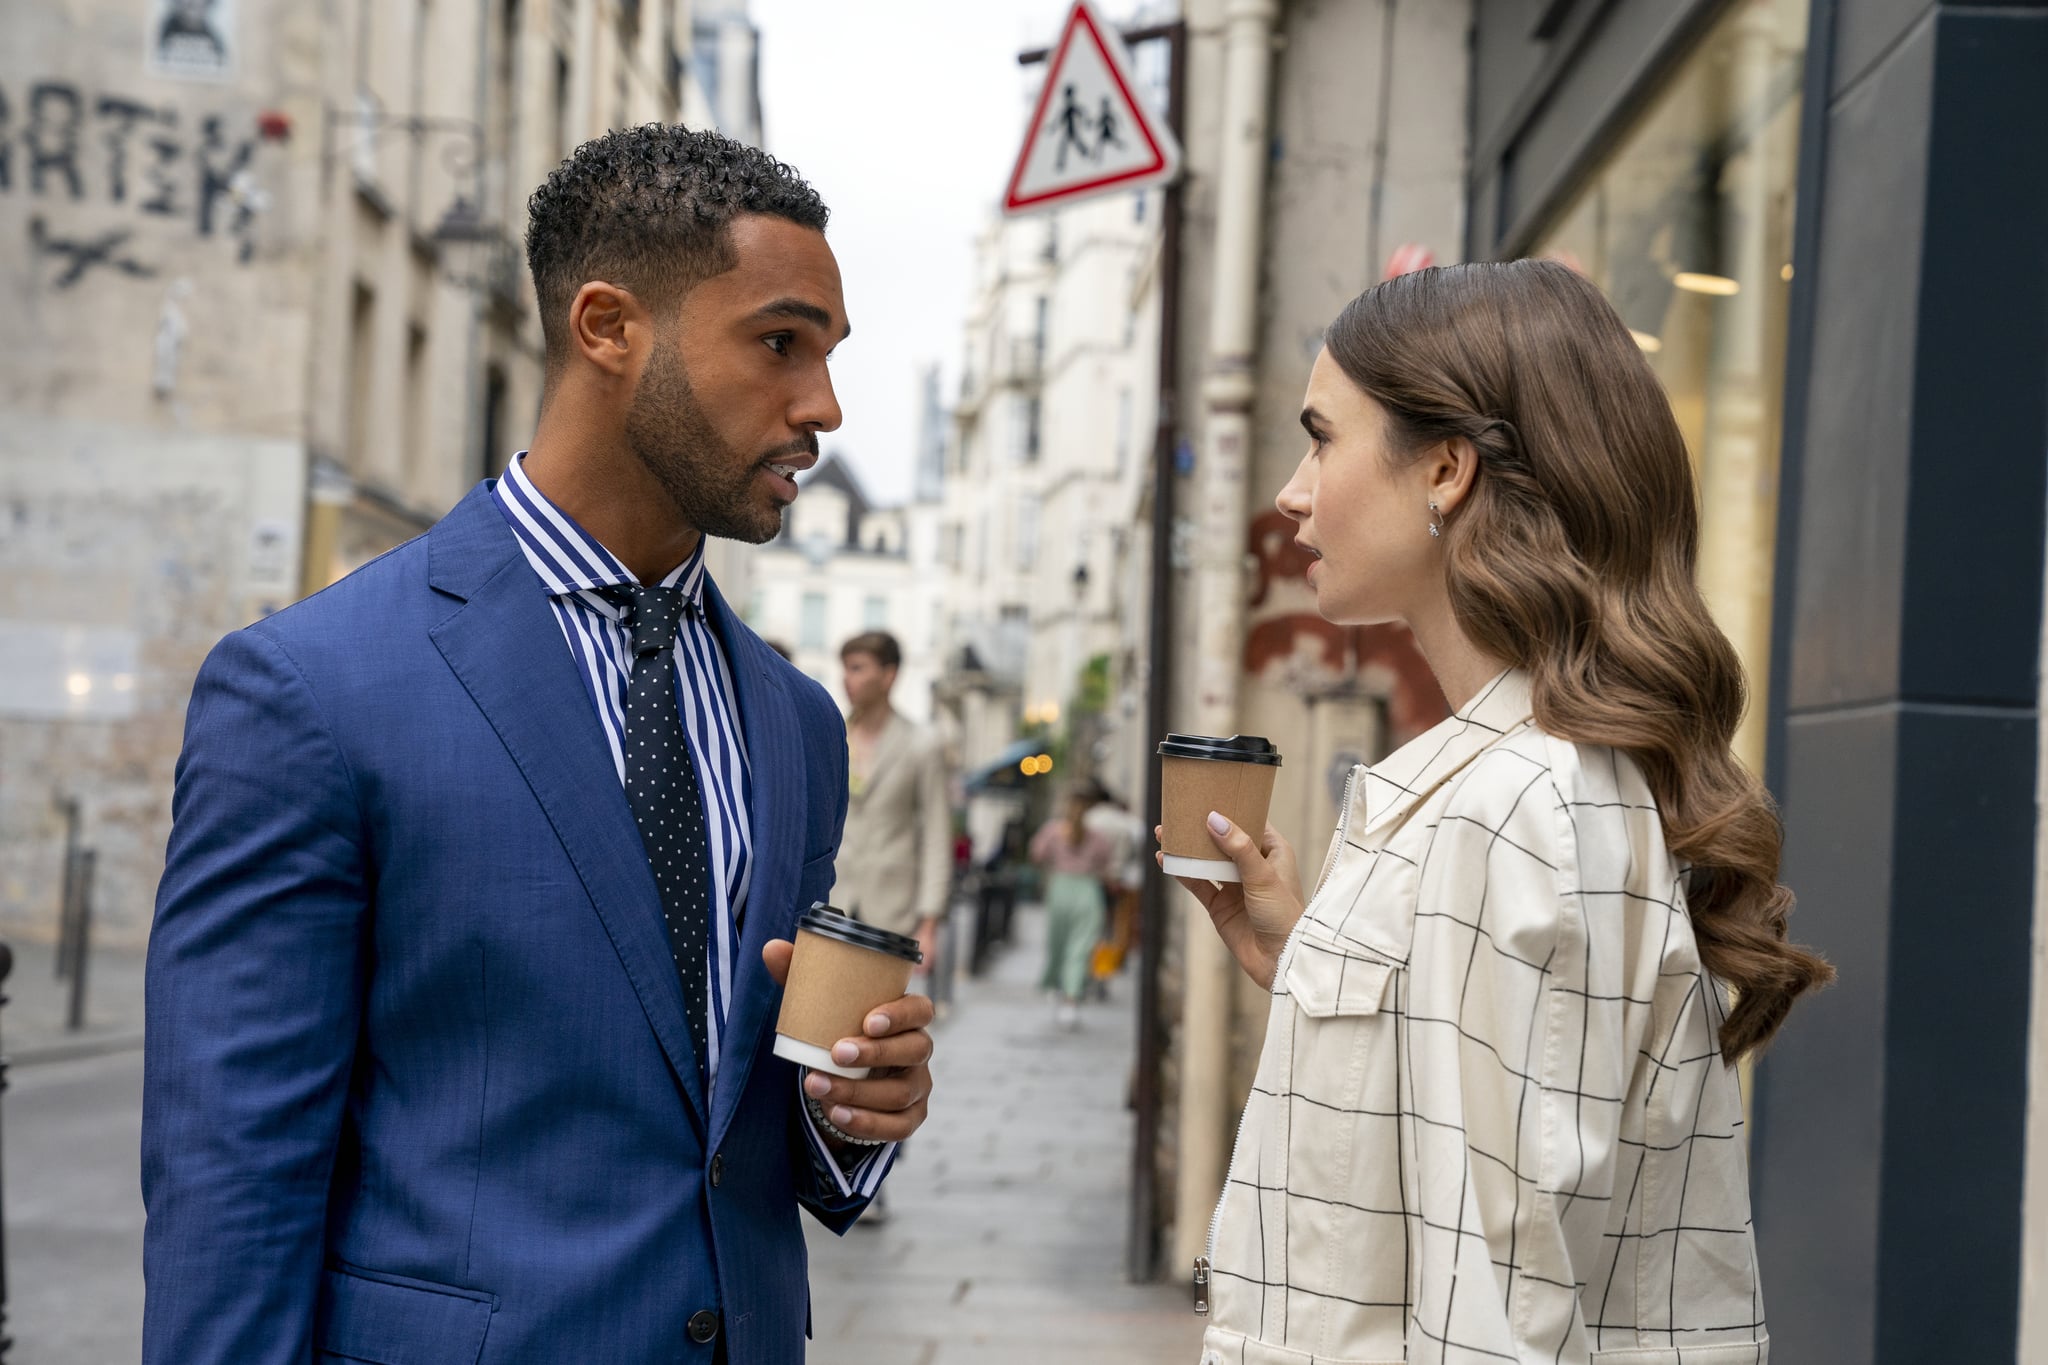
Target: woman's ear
(1451, 470)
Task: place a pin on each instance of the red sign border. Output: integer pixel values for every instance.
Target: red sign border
(1082, 14)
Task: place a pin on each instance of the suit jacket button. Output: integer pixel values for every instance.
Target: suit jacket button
(703, 1325)
(717, 1170)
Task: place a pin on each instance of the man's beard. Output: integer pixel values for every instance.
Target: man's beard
(711, 484)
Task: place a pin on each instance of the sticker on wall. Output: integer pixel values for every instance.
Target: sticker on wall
(192, 39)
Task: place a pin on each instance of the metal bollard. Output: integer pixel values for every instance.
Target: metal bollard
(6, 966)
(67, 903)
(81, 942)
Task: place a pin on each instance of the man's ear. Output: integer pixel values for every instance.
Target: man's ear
(610, 328)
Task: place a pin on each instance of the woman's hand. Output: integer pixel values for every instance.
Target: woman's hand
(1255, 916)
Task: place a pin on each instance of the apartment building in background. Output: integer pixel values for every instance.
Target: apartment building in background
(1041, 534)
(844, 566)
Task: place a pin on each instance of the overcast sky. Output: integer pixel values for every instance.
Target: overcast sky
(907, 115)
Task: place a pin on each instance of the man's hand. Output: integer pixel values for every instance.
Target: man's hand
(890, 1103)
(1255, 916)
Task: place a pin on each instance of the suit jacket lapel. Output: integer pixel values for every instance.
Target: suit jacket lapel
(775, 755)
(506, 647)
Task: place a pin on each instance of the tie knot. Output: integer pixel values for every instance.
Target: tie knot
(652, 614)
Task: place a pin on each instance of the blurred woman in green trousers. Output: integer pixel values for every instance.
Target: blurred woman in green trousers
(1075, 860)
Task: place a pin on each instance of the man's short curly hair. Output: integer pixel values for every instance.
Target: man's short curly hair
(650, 209)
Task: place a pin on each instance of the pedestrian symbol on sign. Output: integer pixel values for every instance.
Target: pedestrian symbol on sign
(1069, 123)
(1090, 132)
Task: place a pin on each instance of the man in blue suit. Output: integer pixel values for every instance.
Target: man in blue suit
(484, 862)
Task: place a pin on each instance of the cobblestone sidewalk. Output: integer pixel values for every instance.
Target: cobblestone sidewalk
(1005, 1240)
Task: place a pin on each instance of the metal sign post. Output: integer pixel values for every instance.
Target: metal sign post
(1141, 1241)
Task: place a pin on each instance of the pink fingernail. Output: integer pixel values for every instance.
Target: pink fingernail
(1217, 824)
(877, 1025)
(846, 1054)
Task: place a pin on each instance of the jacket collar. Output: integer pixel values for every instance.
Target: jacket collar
(567, 558)
(1390, 789)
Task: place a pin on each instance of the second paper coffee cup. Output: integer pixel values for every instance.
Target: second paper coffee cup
(1201, 773)
(842, 970)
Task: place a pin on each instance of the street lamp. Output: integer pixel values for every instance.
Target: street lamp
(462, 230)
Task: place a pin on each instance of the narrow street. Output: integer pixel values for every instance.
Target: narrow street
(74, 1211)
(1005, 1241)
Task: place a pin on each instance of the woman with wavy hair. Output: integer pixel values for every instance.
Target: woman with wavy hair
(1497, 1116)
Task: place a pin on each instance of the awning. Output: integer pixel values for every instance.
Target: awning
(1001, 773)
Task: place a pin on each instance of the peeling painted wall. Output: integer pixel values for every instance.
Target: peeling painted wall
(156, 284)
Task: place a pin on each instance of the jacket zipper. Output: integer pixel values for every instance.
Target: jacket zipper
(1343, 826)
(1204, 1263)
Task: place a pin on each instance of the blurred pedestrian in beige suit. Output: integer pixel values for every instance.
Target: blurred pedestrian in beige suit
(896, 859)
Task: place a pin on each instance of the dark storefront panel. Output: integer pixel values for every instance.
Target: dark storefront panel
(1888, 1147)
(1910, 628)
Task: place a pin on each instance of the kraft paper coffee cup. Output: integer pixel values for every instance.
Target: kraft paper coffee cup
(1201, 773)
(841, 971)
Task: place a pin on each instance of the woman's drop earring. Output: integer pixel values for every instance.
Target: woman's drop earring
(1436, 521)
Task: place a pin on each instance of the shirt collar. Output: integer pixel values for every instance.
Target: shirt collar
(1398, 783)
(569, 559)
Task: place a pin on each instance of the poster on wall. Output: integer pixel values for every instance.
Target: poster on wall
(192, 39)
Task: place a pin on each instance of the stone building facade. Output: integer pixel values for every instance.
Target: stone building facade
(270, 318)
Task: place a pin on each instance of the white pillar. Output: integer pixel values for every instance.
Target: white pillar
(1227, 390)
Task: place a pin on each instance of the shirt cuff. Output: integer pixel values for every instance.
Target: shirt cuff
(857, 1172)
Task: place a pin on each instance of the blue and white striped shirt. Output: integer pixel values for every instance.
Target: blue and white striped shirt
(572, 566)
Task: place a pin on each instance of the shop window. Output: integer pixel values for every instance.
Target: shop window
(1687, 227)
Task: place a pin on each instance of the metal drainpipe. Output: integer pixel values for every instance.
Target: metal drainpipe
(1219, 586)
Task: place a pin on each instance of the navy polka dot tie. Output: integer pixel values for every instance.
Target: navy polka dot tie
(661, 788)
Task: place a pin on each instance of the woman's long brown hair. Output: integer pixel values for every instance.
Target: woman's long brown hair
(1573, 557)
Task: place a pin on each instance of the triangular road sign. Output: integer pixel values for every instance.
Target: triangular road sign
(1089, 133)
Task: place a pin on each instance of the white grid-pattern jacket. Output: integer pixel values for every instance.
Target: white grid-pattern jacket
(1490, 1121)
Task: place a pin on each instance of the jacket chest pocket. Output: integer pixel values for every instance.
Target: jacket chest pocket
(1330, 980)
(1345, 1020)
(1346, 1230)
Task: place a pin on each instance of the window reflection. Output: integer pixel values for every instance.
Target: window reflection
(1687, 226)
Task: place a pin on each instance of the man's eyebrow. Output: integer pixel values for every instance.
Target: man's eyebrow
(800, 309)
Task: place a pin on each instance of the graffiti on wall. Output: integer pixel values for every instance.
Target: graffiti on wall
(1303, 643)
(61, 145)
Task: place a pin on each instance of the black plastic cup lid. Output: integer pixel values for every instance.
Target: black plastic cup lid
(830, 922)
(1236, 749)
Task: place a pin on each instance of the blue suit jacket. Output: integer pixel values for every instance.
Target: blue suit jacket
(418, 1087)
